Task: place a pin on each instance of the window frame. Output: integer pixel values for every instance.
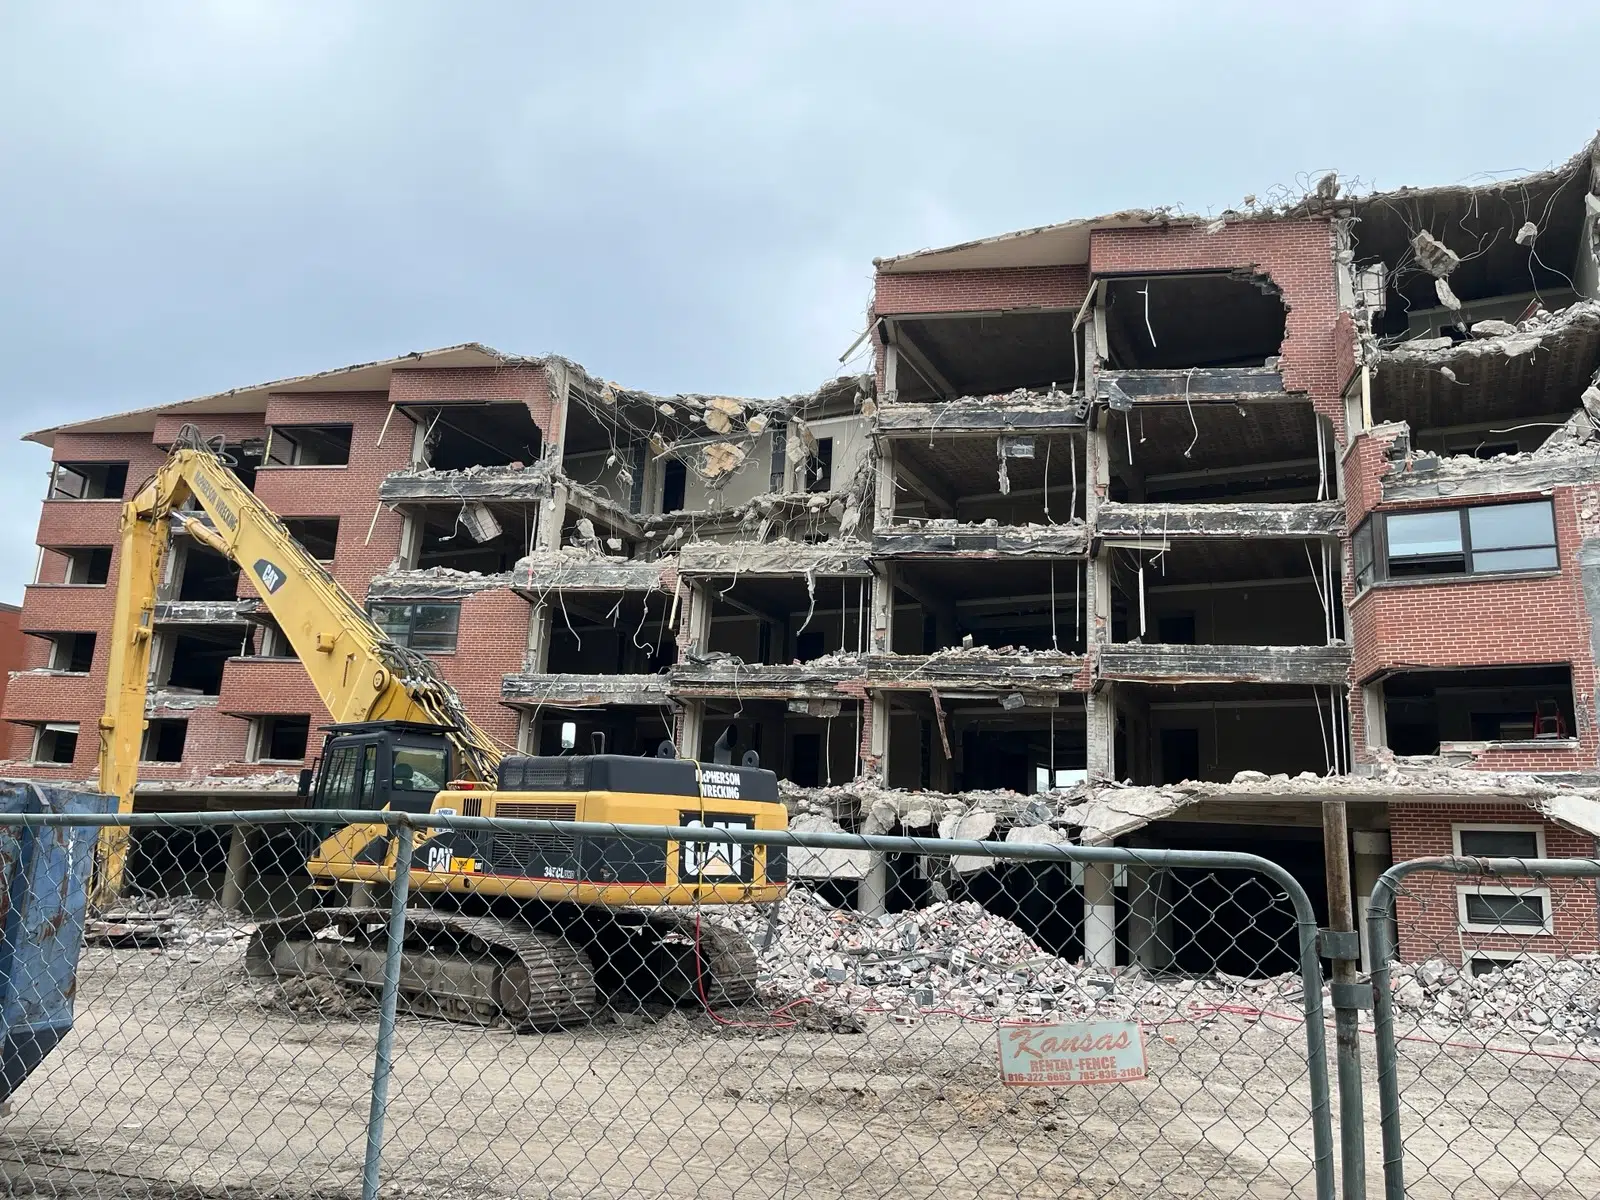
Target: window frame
(411, 627)
(1495, 827)
(1376, 528)
(45, 727)
(287, 433)
(260, 739)
(1546, 929)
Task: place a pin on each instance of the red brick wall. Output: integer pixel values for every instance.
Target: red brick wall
(493, 637)
(528, 385)
(1364, 469)
(1296, 255)
(1426, 909)
(13, 646)
(977, 291)
(1464, 623)
(234, 427)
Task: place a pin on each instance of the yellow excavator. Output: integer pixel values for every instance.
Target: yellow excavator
(526, 930)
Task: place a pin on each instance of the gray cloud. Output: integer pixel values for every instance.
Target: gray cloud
(207, 194)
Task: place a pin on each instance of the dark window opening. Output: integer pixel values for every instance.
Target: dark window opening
(819, 467)
(1423, 709)
(309, 445)
(87, 566)
(265, 639)
(1197, 319)
(207, 575)
(1177, 629)
(318, 536)
(1494, 539)
(431, 628)
(811, 740)
(1518, 910)
(778, 620)
(281, 739)
(72, 652)
(197, 662)
(460, 436)
(56, 743)
(88, 481)
(674, 485)
(1499, 843)
(960, 478)
(450, 537)
(1027, 604)
(1180, 755)
(163, 741)
(1198, 451)
(1209, 732)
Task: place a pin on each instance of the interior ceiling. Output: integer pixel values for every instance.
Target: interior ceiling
(970, 466)
(506, 430)
(1219, 560)
(997, 579)
(1480, 225)
(1426, 683)
(779, 597)
(983, 355)
(1230, 435)
(1196, 319)
(1490, 387)
(1223, 693)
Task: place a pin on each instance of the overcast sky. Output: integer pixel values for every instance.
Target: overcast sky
(201, 195)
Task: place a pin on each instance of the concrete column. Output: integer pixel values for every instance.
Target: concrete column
(1100, 712)
(552, 515)
(1371, 858)
(1150, 917)
(1099, 915)
(878, 735)
(883, 489)
(882, 637)
(410, 538)
(537, 659)
(238, 873)
(872, 895)
(690, 724)
(697, 621)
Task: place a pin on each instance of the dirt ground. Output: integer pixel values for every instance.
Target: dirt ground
(184, 1081)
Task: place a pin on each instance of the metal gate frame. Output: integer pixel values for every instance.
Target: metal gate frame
(1310, 967)
(1380, 918)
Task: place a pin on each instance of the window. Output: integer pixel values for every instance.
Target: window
(88, 481)
(163, 741)
(308, 446)
(674, 485)
(427, 627)
(348, 777)
(87, 566)
(819, 467)
(1504, 909)
(55, 743)
(279, 739)
(1499, 841)
(420, 770)
(269, 641)
(72, 652)
(318, 536)
(1495, 539)
(1487, 962)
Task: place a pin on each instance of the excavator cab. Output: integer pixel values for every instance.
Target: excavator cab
(399, 765)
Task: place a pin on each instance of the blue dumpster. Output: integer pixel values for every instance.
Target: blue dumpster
(44, 883)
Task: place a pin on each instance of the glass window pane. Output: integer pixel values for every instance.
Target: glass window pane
(1504, 525)
(1540, 558)
(1413, 535)
(394, 620)
(1363, 554)
(1495, 908)
(1500, 843)
(418, 770)
(434, 627)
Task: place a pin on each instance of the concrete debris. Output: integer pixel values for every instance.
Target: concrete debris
(177, 924)
(1522, 338)
(1527, 234)
(1446, 296)
(434, 583)
(1484, 329)
(218, 781)
(1433, 255)
(720, 459)
(1537, 996)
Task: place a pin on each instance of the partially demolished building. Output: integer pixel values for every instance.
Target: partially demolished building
(1146, 528)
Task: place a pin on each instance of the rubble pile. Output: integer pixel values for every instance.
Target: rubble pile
(956, 958)
(1536, 996)
(175, 925)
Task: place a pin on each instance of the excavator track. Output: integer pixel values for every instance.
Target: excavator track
(494, 971)
(463, 968)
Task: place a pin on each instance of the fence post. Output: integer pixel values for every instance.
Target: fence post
(1380, 912)
(388, 1005)
(1347, 996)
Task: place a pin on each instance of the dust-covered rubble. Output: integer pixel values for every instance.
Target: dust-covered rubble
(1533, 996)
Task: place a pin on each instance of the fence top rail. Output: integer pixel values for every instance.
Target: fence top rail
(882, 843)
(1388, 885)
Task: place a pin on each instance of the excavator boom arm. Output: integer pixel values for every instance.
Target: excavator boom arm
(358, 672)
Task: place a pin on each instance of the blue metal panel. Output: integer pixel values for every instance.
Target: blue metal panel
(44, 880)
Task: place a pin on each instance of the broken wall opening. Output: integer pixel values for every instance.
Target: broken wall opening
(163, 741)
(601, 451)
(1030, 603)
(604, 633)
(940, 356)
(1210, 732)
(1424, 710)
(1227, 592)
(88, 480)
(1193, 319)
(72, 652)
(1012, 479)
(1028, 741)
(318, 536)
(811, 743)
(1266, 451)
(777, 620)
(203, 574)
(80, 566)
(193, 661)
(627, 728)
(456, 437)
(446, 537)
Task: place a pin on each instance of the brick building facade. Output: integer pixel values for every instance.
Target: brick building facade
(1223, 517)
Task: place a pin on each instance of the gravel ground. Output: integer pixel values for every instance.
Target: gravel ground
(183, 1081)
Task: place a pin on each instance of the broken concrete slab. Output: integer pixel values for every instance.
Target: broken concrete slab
(1321, 518)
(1433, 256)
(1465, 477)
(990, 539)
(424, 485)
(1206, 384)
(978, 669)
(1168, 664)
(578, 570)
(582, 691)
(730, 676)
(434, 583)
(206, 612)
(1024, 410)
(845, 556)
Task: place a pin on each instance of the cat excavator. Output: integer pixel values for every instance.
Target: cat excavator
(527, 930)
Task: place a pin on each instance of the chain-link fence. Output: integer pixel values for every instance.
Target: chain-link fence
(1487, 1015)
(992, 1032)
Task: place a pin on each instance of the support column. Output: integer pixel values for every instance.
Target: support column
(1373, 857)
(238, 873)
(410, 538)
(697, 621)
(537, 659)
(883, 576)
(1150, 917)
(884, 488)
(1100, 714)
(1099, 915)
(878, 736)
(552, 516)
(690, 723)
(872, 894)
